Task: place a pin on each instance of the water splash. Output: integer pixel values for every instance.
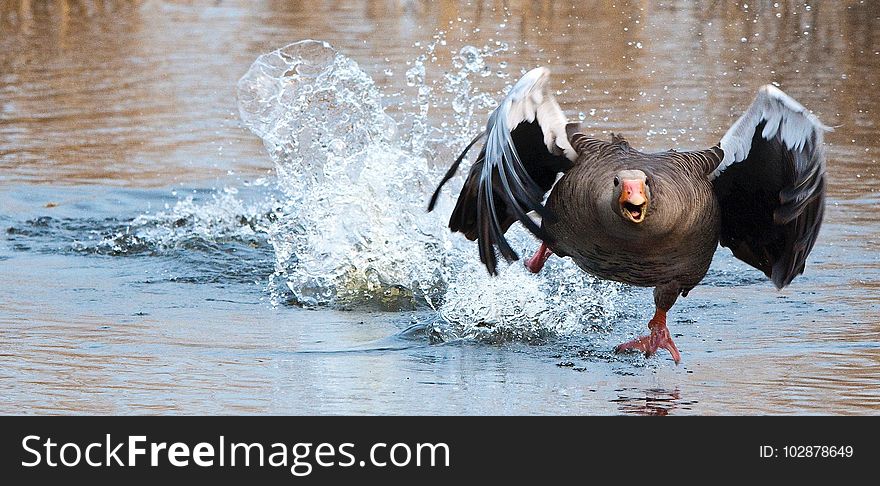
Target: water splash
(188, 224)
(348, 230)
(352, 228)
(199, 221)
(206, 236)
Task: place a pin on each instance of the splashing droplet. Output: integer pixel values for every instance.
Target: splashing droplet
(415, 75)
(472, 58)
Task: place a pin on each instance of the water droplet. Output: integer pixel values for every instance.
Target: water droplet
(415, 75)
(472, 58)
(460, 103)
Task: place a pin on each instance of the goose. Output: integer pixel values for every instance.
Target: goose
(644, 219)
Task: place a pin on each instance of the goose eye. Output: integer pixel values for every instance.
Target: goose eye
(616, 181)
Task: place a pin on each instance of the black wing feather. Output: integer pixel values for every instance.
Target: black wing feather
(772, 204)
(485, 213)
(452, 170)
(517, 165)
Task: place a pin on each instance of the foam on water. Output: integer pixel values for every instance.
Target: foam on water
(351, 228)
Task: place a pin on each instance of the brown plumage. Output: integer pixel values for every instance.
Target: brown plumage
(650, 220)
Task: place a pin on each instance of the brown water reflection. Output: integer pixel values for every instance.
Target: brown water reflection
(141, 94)
(657, 402)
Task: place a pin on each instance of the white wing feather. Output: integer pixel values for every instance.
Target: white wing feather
(785, 116)
(527, 100)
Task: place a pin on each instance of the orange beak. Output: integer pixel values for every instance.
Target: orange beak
(633, 200)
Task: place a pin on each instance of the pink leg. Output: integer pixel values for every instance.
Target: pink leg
(536, 263)
(658, 339)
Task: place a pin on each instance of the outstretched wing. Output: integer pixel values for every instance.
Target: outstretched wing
(525, 147)
(771, 185)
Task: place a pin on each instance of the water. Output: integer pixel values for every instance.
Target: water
(177, 239)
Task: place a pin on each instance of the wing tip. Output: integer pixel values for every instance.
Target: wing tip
(778, 282)
(735, 145)
(536, 78)
(538, 72)
(782, 278)
(781, 96)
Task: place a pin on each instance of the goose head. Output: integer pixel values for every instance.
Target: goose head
(632, 196)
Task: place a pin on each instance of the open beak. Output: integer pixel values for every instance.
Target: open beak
(633, 200)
